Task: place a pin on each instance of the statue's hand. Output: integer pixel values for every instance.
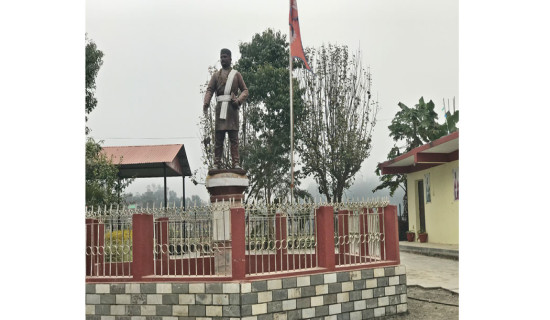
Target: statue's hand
(205, 109)
(234, 100)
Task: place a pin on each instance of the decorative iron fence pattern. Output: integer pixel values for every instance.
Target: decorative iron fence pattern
(280, 237)
(192, 242)
(360, 232)
(197, 242)
(108, 242)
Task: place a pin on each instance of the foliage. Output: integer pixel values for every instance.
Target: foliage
(118, 246)
(339, 117)
(94, 60)
(118, 236)
(265, 143)
(451, 121)
(103, 186)
(415, 127)
(155, 196)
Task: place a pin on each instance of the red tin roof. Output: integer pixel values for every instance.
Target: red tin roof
(149, 161)
(442, 150)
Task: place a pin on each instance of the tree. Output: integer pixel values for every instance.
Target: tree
(339, 117)
(264, 146)
(266, 125)
(414, 127)
(94, 60)
(265, 140)
(103, 186)
(154, 196)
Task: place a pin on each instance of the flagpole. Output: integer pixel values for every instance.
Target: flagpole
(291, 126)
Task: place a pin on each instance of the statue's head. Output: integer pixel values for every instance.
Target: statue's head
(225, 58)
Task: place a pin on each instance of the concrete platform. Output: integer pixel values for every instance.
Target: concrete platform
(448, 251)
(430, 272)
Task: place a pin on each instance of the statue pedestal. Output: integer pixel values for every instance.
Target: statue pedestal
(224, 185)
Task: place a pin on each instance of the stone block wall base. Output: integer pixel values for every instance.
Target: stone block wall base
(360, 294)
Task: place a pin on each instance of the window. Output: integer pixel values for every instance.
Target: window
(455, 179)
(427, 184)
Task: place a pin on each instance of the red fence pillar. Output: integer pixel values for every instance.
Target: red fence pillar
(161, 237)
(281, 238)
(238, 258)
(325, 237)
(143, 245)
(392, 234)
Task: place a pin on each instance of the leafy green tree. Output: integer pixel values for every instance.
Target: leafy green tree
(94, 60)
(413, 127)
(265, 146)
(195, 201)
(155, 195)
(103, 186)
(451, 121)
(339, 117)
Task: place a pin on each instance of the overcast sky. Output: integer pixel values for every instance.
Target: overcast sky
(157, 54)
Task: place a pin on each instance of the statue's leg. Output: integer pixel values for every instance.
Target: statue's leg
(218, 148)
(234, 139)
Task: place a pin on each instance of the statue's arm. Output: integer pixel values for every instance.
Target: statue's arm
(210, 89)
(244, 90)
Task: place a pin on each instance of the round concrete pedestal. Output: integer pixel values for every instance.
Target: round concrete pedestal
(226, 185)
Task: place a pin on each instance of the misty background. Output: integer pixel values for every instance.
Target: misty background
(157, 54)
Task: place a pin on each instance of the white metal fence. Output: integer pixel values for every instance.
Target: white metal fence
(280, 237)
(196, 242)
(109, 242)
(359, 233)
(192, 242)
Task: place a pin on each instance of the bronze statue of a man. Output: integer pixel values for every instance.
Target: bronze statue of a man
(226, 83)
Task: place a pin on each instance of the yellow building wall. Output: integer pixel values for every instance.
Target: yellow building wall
(441, 214)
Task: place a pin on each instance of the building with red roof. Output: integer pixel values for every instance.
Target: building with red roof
(432, 187)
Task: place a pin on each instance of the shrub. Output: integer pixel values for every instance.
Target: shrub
(118, 246)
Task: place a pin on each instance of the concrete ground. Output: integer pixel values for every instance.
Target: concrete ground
(431, 271)
(434, 268)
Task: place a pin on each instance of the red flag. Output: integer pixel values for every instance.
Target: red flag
(296, 49)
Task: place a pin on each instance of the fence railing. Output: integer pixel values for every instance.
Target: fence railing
(187, 243)
(109, 243)
(280, 238)
(232, 243)
(359, 235)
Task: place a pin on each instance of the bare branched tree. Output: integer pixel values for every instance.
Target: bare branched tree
(339, 119)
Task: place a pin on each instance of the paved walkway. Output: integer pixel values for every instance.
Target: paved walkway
(430, 249)
(428, 271)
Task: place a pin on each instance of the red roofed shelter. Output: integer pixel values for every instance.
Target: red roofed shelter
(152, 161)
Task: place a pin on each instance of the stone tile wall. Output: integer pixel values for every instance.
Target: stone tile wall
(360, 294)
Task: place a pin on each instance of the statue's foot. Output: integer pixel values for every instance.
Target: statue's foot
(236, 166)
